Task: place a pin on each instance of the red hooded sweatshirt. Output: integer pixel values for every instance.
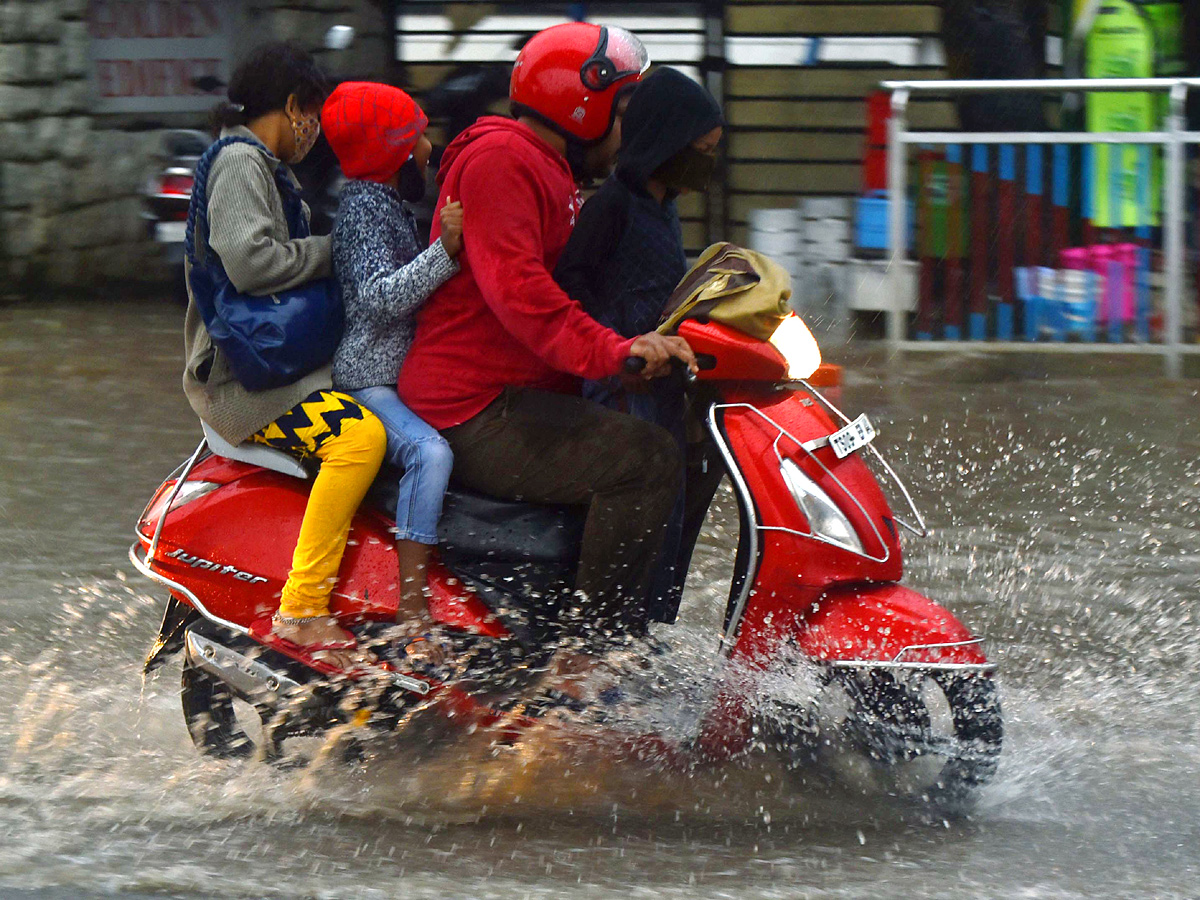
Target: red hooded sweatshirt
(502, 320)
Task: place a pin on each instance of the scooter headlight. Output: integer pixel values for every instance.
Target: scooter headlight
(793, 339)
(824, 518)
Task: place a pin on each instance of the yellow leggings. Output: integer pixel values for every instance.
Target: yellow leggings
(350, 442)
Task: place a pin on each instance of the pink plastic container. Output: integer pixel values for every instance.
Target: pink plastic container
(1117, 265)
(1075, 258)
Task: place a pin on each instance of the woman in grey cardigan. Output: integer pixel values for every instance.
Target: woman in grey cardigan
(275, 100)
(377, 133)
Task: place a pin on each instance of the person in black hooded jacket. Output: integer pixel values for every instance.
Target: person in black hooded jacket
(626, 255)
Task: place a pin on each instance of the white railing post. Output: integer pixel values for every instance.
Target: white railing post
(712, 68)
(897, 324)
(1174, 187)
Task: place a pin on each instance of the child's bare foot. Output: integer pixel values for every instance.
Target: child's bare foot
(328, 641)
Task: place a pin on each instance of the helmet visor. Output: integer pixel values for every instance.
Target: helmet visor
(618, 54)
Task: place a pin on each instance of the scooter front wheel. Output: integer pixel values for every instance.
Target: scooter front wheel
(933, 736)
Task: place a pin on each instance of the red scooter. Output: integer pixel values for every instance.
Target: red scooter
(897, 680)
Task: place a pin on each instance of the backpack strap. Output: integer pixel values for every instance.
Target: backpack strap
(198, 205)
(195, 239)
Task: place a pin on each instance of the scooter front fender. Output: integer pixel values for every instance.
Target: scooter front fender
(870, 626)
(889, 625)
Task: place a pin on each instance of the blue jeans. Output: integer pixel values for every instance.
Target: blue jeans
(422, 453)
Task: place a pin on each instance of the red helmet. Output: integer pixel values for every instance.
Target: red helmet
(571, 75)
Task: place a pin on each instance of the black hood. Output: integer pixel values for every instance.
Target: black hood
(666, 113)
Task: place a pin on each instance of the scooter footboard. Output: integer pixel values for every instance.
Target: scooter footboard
(888, 626)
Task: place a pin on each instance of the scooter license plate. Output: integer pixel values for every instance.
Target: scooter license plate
(854, 436)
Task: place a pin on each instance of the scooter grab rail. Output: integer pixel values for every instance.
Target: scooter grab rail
(897, 663)
(912, 648)
(705, 362)
(739, 603)
(145, 566)
(986, 668)
(746, 501)
(179, 480)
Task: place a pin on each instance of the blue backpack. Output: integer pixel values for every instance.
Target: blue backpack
(272, 340)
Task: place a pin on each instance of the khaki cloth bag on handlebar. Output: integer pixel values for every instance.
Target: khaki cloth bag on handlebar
(734, 286)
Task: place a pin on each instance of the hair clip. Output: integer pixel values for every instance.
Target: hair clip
(237, 107)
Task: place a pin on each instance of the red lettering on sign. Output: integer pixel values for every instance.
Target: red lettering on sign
(153, 19)
(212, 21)
(153, 77)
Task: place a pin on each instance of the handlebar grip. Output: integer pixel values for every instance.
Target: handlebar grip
(704, 362)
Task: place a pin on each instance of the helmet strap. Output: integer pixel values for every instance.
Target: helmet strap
(520, 110)
(577, 160)
(576, 152)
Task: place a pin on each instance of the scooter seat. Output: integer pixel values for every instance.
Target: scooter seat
(254, 454)
(478, 527)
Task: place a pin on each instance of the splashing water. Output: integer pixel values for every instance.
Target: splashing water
(1065, 532)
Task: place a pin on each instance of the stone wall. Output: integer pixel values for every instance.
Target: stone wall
(69, 211)
(70, 181)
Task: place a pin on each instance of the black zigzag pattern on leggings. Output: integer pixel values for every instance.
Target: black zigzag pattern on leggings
(313, 421)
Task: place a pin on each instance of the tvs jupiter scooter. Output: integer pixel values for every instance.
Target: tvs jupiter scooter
(816, 586)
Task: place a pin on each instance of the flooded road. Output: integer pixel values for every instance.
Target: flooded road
(1065, 530)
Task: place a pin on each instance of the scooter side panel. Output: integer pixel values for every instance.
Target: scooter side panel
(877, 622)
(233, 548)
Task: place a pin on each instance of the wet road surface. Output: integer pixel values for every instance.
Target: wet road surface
(1064, 513)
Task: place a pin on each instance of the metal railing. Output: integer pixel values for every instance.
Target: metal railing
(1173, 138)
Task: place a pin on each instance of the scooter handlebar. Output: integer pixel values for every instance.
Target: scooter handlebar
(704, 362)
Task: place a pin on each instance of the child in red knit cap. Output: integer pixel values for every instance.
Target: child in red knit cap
(378, 135)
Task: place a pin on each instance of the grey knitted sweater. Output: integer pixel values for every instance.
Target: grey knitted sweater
(249, 232)
(385, 277)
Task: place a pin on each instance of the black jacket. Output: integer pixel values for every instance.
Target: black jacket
(626, 255)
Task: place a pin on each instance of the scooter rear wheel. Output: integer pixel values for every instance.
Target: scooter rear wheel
(210, 716)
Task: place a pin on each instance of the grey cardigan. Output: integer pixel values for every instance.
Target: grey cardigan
(385, 276)
(248, 231)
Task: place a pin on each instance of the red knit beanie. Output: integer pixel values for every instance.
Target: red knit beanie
(372, 128)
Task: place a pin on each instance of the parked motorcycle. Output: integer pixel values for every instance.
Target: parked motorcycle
(166, 196)
(901, 683)
(168, 192)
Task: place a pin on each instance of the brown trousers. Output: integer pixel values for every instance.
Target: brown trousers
(544, 447)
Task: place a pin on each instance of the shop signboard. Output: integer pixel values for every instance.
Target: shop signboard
(146, 55)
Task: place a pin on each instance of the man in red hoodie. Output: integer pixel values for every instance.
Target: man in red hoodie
(500, 349)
